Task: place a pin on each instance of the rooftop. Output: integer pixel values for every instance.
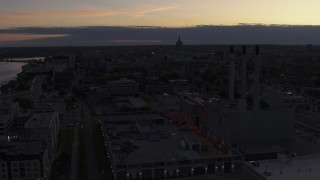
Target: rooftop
(23, 114)
(5, 118)
(305, 167)
(140, 139)
(8, 104)
(260, 148)
(22, 148)
(40, 120)
(132, 102)
(121, 82)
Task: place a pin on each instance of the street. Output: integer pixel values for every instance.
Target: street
(74, 156)
(90, 149)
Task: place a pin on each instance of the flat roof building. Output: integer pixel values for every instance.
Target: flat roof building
(283, 168)
(44, 126)
(140, 146)
(123, 87)
(131, 104)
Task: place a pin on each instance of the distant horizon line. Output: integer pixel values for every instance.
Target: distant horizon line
(243, 33)
(137, 45)
(169, 27)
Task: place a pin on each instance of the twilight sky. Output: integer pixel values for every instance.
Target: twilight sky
(18, 13)
(60, 22)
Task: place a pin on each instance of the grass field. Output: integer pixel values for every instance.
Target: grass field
(61, 166)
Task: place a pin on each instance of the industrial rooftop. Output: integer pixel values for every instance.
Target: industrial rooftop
(141, 139)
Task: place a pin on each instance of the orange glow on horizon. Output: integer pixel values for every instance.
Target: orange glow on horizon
(26, 37)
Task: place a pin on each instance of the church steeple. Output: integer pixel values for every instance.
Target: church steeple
(179, 44)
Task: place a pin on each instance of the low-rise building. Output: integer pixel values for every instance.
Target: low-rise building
(146, 146)
(123, 87)
(195, 107)
(6, 124)
(21, 119)
(23, 160)
(9, 107)
(131, 104)
(8, 112)
(44, 126)
(63, 67)
(283, 168)
(179, 85)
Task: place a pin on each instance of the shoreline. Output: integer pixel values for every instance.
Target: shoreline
(9, 71)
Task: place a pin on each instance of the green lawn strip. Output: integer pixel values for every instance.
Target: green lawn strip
(60, 169)
(101, 151)
(104, 164)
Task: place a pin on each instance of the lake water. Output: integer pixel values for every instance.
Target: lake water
(9, 71)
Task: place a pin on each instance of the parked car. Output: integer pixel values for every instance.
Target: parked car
(267, 173)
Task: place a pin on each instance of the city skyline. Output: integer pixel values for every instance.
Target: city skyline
(150, 89)
(137, 35)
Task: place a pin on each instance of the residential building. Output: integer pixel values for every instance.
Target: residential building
(6, 124)
(44, 126)
(9, 107)
(23, 160)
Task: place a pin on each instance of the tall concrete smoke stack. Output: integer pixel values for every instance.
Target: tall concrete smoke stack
(256, 98)
(244, 73)
(231, 74)
(242, 103)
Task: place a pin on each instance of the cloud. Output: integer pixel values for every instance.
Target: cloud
(57, 14)
(152, 9)
(19, 37)
(36, 18)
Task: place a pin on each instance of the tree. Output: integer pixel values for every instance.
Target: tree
(124, 108)
(25, 102)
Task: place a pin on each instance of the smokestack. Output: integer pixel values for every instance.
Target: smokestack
(242, 102)
(256, 99)
(244, 73)
(231, 74)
